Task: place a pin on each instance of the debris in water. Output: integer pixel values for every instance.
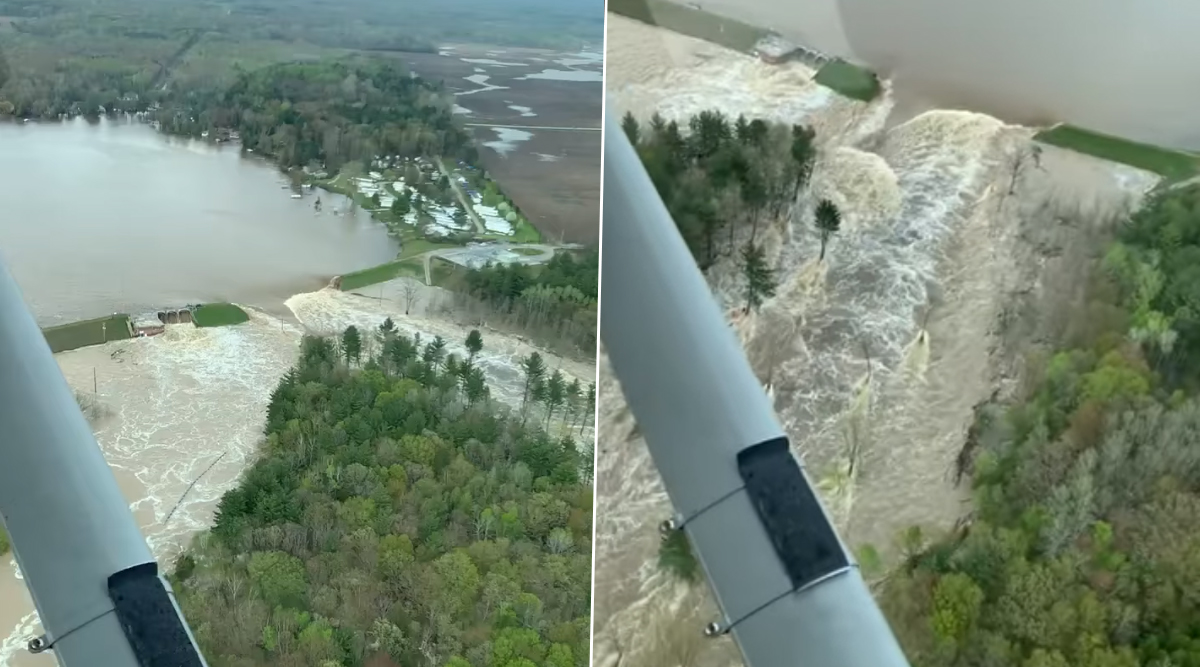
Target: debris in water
(774, 49)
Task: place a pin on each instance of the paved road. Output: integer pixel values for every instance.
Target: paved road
(480, 228)
(482, 253)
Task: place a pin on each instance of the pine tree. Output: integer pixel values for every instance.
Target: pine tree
(760, 278)
(630, 125)
(352, 344)
(829, 221)
(556, 393)
(535, 371)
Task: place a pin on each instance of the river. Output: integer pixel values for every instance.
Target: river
(115, 217)
(946, 273)
(1119, 67)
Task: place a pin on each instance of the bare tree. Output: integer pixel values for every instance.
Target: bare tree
(411, 297)
(1019, 160)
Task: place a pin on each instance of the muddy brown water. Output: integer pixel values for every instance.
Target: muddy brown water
(114, 217)
(1124, 68)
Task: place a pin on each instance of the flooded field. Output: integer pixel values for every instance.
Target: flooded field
(552, 174)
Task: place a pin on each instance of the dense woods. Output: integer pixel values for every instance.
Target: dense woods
(75, 56)
(720, 176)
(717, 175)
(396, 517)
(326, 113)
(556, 302)
(1085, 541)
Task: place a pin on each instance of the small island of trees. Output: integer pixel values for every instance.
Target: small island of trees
(720, 176)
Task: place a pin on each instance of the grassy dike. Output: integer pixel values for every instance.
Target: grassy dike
(850, 80)
(118, 326)
(1172, 165)
(88, 332)
(218, 315)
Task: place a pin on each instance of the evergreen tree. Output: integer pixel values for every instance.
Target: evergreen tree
(630, 125)
(352, 345)
(760, 279)
(556, 393)
(535, 372)
(829, 221)
(804, 153)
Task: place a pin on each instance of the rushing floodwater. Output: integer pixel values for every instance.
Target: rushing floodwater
(1128, 68)
(116, 218)
(875, 355)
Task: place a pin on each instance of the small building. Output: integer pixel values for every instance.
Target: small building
(147, 324)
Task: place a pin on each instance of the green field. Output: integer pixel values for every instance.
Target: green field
(691, 22)
(850, 80)
(402, 268)
(219, 315)
(88, 332)
(1172, 165)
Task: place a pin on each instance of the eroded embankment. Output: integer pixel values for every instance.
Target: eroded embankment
(959, 250)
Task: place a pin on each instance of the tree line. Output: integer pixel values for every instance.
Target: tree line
(75, 56)
(720, 175)
(556, 303)
(396, 516)
(1085, 540)
(326, 113)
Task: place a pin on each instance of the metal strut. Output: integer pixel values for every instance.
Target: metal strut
(92, 578)
(786, 585)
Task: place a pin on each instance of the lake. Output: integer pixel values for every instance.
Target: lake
(115, 217)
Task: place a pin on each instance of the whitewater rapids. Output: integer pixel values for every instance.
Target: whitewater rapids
(877, 354)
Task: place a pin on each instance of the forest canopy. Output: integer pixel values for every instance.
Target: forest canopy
(1084, 548)
(719, 173)
(327, 113)
(397, 516)
(555, 302)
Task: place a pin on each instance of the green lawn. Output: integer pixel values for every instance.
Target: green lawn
(416, 244)
(1172, 165)
(529, 252)
(410, 268)
(850, 80)
(219, 315)
(692, 22)
(88, 332)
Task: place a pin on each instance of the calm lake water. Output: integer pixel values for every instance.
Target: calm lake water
(114, 217)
